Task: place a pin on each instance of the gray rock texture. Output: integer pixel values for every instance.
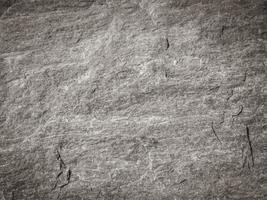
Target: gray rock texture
(133, 99)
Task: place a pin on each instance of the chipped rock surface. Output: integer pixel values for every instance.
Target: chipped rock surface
(133, 99)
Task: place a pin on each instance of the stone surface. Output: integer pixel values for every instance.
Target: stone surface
(133, 99)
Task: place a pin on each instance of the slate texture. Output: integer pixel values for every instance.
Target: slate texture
(133, 99)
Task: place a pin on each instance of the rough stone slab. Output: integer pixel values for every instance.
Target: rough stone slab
(139, 99)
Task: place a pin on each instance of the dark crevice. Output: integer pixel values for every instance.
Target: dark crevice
(214, 132)
(250, 145)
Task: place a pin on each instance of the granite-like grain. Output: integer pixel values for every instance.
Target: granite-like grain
(114, 99)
